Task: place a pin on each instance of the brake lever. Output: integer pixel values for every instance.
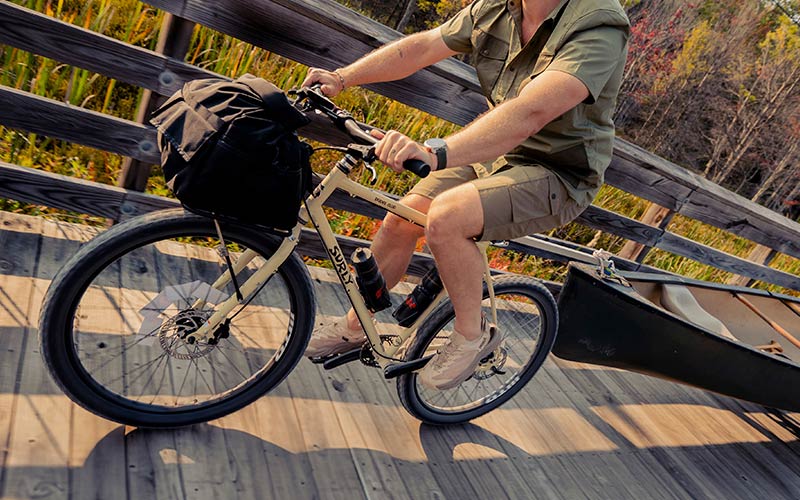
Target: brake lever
(367, 156)
(372, 171)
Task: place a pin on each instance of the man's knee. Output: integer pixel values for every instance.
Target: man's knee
(396, 225)
(454, 214)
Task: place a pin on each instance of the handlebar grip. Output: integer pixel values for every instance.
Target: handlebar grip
(418, 167)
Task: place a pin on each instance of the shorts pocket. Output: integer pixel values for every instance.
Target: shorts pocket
(557, 194)
(530, 200)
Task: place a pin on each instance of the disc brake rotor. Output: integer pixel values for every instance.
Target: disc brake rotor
(175, 329)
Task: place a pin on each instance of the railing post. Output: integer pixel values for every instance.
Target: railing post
(760, 255)
(656, 216)
(173, 41)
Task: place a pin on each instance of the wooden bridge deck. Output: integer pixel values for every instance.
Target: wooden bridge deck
(576, 431)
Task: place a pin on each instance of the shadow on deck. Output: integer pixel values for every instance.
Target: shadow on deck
(576, 431)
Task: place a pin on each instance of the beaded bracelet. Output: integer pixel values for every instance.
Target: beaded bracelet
(341, 79)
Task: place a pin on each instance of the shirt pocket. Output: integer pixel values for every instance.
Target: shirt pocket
(490, 54)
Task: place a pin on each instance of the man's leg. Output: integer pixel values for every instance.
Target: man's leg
(455, 218)
(394, 246)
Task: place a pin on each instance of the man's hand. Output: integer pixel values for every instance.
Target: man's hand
(331, 81)
(394, 148)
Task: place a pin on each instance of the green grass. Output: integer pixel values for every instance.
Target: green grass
(136, 23)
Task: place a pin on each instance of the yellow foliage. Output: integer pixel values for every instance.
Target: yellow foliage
(693, 57)
(783, 43)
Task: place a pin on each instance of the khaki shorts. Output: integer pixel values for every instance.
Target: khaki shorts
(516, 200)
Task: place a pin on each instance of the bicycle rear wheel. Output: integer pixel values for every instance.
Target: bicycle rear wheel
(114, 322)
(527, 317)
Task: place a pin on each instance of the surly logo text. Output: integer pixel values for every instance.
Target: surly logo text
(341, 265)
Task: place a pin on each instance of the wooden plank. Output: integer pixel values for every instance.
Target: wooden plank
(59, 191)
(49, 37)
(721, 260)
(101, 477)
(153, 458)
(642, 463)
(384, 431)
(335, 473)
(760, 255)
(75, 124)
(708, 434)
(607, 396)
(620, 225)
(737, 215)
(197, 447)
(38, 455)
(325, 34)
(19, 245)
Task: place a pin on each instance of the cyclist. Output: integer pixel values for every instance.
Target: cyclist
(551, 71)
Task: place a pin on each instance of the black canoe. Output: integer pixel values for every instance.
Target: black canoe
(720, 338)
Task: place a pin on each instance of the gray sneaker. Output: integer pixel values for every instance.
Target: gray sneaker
(333, 337)
(457, 360)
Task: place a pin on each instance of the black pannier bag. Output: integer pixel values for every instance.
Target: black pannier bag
(229, 150)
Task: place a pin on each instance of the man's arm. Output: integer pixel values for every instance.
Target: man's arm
(393, 61)
(500, 129)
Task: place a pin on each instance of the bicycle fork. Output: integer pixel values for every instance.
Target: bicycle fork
(287, 246)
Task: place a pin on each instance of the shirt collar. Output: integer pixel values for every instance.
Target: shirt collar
(515, 8)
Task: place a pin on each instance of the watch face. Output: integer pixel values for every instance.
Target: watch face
(436, 143)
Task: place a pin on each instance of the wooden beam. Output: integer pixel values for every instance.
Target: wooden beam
(598, 218)
(658, 180)
(64, 192)
(43, 35)
(44, 116)
(325, 34)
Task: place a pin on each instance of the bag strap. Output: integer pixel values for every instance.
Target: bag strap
(275, 100)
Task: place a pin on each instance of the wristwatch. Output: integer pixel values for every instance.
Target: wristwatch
(439, 148)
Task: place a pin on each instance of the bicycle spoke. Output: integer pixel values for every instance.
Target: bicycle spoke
(519, 321)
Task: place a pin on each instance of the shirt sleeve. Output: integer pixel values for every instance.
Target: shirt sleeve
(591, 56)
(457, 31)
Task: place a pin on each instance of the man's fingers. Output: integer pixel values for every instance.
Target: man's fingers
(376, 133)
(312, 77)
(329, 82)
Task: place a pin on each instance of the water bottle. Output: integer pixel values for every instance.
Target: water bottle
(419, 298)
(370, 280)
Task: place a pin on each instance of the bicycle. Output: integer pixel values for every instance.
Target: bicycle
(174, 318)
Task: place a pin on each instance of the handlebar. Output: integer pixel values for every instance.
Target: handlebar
(313, 98)
(414, 166)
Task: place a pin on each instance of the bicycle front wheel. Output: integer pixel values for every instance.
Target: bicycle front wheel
(527, 318)
(115, 321)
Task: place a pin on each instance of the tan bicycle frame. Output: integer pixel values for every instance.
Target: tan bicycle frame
(336, 179)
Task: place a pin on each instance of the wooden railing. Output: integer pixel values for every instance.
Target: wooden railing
(325, 34)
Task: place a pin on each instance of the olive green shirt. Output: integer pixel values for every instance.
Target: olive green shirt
(584, 38)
